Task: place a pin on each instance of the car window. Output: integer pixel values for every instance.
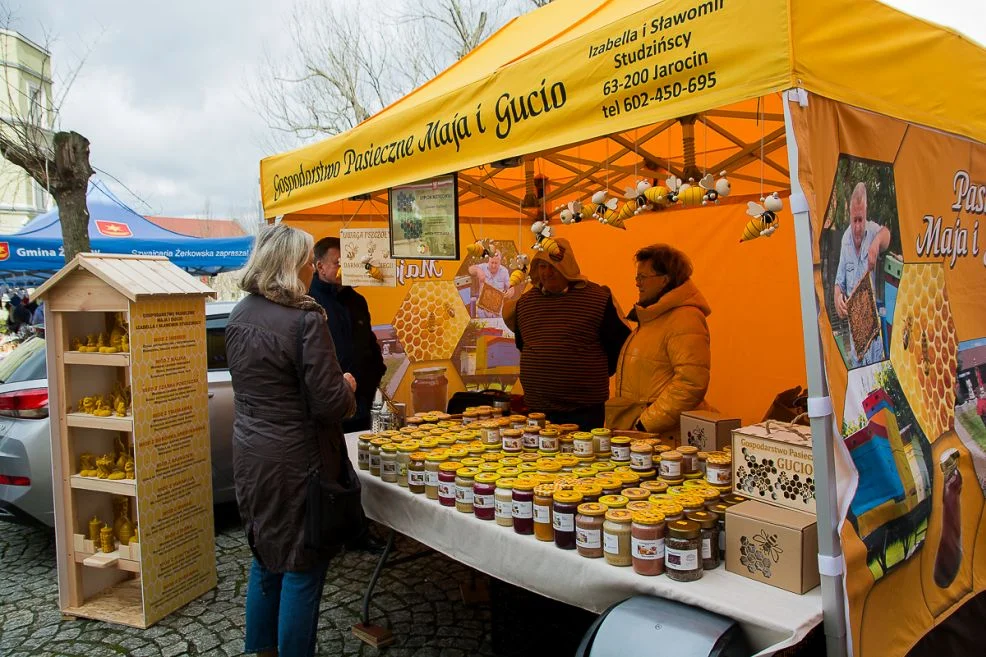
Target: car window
(215, 342)
(30, 363)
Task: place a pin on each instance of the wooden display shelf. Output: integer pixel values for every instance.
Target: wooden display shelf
(116, 486)
(86, 358)
(110, 422)
(107, 560)
(121, 604)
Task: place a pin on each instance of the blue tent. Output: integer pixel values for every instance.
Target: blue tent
(33, 254)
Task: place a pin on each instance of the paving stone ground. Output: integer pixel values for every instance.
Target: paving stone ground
(419, 601)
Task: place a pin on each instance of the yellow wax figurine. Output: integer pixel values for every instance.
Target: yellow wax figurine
(119, 407)
(125, 343)
(104, 466)
(116, 336)
(91, 344)
(116, 475)
(86, 404)
(121, 514)
(76, 345)
(126, 532)
(134, 539)
(106, 543)
(101, 409)
(94, 526)
(87, 465)
(129, 469)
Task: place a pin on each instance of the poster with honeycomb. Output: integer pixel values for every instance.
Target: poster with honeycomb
(901, 206)
(430, 320)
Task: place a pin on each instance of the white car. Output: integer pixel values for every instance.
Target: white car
(25, 446)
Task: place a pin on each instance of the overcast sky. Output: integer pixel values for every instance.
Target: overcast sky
(162, 96)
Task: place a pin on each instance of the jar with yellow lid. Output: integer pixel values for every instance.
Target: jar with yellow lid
(523, 505)
(614, 501)
(611, 485)
(414, 421)
(537, 420)
(583, 444)
(512, 441)
(563, 513)
(683, 551)
(464, 493)
(590, 492)
(635, 494)
(647, 475)
(566, 443)
(602, 467)
(719, 509)
(476, 450)
(493, 455)
(691, 503)
(407, 430)
(695, 476)
(584, 471)
(374, 455)
(458, 453)
(490, 433)
(529, 457)
(388, 463)
(617, 538)
(518, 421)
(640, 505)
(719, 469)
(709, 533)
(548, 441)
(445, 441)
(469, 417)
(404, 451)
(695, 483)
(503, 501)
(432, 464)
(589, 529)
(489, 466)
(620, 449)
(428, 443)
(647, 542)
(507, 471)
(510, 461)
(446, 482)
(549, 467)
(641, 456)
(601, 441)
(543, 501)
(416, 475)
(671, 466)
(389, 434)
(689, 459)
(472, 461)
(528, 467)
(709, 494)
(568, 462)
(363, 451)
(702, 457)
(671, 510)
(484, 495)
(629, 479)
(654, 487)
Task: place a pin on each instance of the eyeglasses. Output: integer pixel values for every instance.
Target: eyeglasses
(640, 277)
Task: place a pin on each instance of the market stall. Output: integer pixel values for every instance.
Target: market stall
(578, 99)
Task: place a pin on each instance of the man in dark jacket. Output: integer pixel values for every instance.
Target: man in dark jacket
(352, 331)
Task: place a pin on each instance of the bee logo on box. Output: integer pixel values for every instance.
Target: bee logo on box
(757, 554)
(696, 437)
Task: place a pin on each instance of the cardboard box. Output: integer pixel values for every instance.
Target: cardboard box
(772, 463)
(707, 430)
(772, 545)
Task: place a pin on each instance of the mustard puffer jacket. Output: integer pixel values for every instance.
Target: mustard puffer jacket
(666, 361)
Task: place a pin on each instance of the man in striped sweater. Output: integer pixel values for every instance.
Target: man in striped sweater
(569, 334)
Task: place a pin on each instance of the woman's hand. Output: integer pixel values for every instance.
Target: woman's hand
(350, 380)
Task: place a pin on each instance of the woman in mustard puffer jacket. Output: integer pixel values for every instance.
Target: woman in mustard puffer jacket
(664, 366)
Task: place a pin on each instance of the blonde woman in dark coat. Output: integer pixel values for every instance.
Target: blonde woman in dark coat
(278, 437)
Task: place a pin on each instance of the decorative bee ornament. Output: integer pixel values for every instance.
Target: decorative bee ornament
(518, 267)
(714, 190)
(480, 249)
(639, 196)
(543, 241)
(673, 183)
(372, 269)
(603, 205)
(607, 213)
(764, 221)
(571, 213)
(690, 194)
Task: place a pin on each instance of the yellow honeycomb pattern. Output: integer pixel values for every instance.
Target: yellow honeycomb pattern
(924, 348)
(431, 320)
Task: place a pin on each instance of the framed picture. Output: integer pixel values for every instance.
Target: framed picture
(424, 219)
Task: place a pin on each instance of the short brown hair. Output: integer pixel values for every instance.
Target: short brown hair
(323, 245)
(665, 259)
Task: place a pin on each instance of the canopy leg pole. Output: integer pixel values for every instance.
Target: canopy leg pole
(820, 409)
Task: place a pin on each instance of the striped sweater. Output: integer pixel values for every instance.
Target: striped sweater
(569, 345)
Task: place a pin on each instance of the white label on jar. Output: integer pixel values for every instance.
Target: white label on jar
(390, 467)
(446, 489)
(483, 501)
(549, 443)
(621, 453)
(512, 444)
(563, 522)
(374, 461)
(602, 444)
(491, 436)
(718, 475)
(401, 469)
(588, 538)
(522, 509)
(647, 548)
(706, 548)
(531, 440)
(464, 494)
(542, 514)
(670, 469)
(611, 543)
(680, 559)
(417, 477)
(533, 423)
(362, 457)
(431, 478)
(641, 460)
(583, 448)
(567, 448)
(504, 508)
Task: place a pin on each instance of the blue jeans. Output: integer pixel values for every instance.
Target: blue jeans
(282, 610)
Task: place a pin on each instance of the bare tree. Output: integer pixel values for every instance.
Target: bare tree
(58, 162)
(347, 65)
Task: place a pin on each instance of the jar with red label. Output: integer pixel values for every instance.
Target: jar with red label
(446, 482)
(647, 542)
(523, 506)
(484, 495)
(563, 513)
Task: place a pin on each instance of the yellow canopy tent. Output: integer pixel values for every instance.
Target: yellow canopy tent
(582, 96)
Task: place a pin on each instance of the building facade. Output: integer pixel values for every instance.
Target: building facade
(27, 101)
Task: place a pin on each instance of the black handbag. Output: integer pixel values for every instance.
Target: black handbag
(333, 509)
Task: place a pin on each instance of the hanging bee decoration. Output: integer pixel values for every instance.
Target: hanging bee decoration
(658, 196)
(518, 267)
(371, 268)
(673, 183)
(638, 195)
(543, 241)
(571, 213)
(480, 249)
(714, 190)
(607, 213)
(690, 194)
(764, 221)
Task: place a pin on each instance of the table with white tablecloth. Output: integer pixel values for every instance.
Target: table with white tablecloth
(772, 618)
